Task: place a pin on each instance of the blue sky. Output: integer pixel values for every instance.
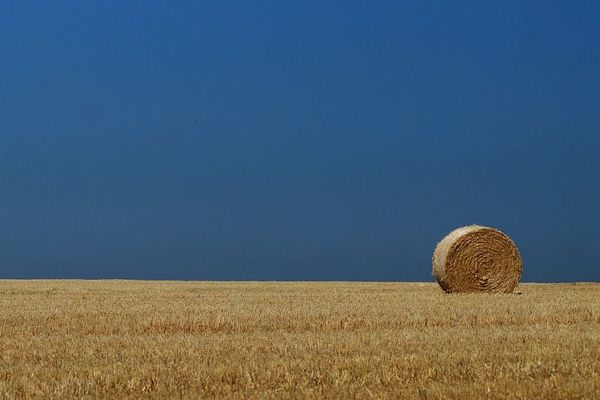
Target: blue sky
(295, 140)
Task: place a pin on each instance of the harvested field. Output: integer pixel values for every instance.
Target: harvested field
(127, 339)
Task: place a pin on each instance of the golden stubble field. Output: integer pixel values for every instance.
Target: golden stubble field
(132, 339)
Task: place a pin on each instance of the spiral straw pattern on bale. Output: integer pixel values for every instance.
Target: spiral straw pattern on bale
(477, 259)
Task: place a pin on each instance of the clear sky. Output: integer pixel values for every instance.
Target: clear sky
(295, 140)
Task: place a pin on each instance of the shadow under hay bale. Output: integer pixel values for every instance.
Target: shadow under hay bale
(477, 259)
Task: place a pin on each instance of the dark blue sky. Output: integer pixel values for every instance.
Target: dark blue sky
(279, 140)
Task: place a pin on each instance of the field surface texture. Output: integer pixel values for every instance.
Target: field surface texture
(131, 339)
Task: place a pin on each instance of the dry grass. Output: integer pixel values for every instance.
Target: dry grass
(65, 339)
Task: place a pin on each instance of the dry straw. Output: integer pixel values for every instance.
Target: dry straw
(477, 259)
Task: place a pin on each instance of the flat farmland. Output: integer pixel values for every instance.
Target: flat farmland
(132, 339)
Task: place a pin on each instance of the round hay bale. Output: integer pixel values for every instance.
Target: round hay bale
(477, 259)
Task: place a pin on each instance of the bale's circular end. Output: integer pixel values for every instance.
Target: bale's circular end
(477, 259)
